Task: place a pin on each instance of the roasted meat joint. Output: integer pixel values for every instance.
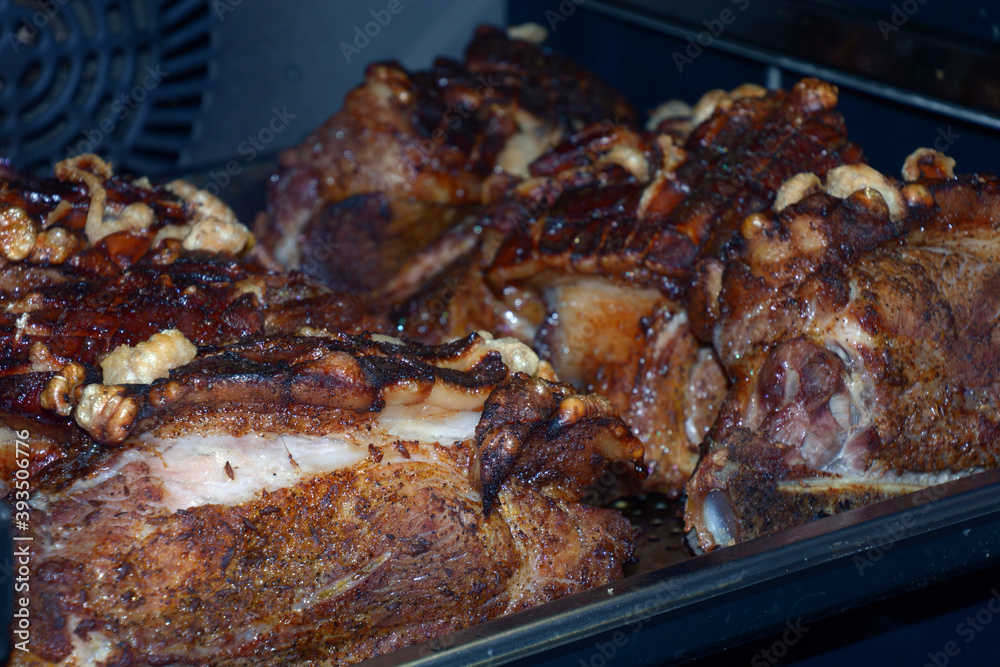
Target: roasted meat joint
(225, 469)
(482, 303)
(859, 323)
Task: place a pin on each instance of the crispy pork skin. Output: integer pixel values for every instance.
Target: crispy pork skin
(590, 258)
(412, 153)
(859, 325)
(91, 261)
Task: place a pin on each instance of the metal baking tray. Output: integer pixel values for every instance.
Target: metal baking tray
(938, 58)
(674, 607)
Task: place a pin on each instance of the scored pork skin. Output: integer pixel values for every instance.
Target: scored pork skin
(411, 153)
(92, 260)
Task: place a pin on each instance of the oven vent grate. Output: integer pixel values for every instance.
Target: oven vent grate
(126, 79)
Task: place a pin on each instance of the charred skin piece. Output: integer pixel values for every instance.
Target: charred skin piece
(412, 153)
(859, 327)
(589, 259)
(92, 261)
(320, 500)
(648, 225)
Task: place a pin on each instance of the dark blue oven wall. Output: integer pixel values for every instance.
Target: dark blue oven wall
(641, 63)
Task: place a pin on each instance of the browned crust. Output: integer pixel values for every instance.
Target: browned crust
(919, 293)
(415, 558)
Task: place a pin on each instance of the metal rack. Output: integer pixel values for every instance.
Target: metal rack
(891, 51)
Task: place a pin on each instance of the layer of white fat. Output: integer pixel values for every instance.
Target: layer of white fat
(427, 423)
(97, 648)
(532, 138)
(695, 433)
(193, 469)
(848, 332)
(974, 243)
(675, 326)
(889, 482)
